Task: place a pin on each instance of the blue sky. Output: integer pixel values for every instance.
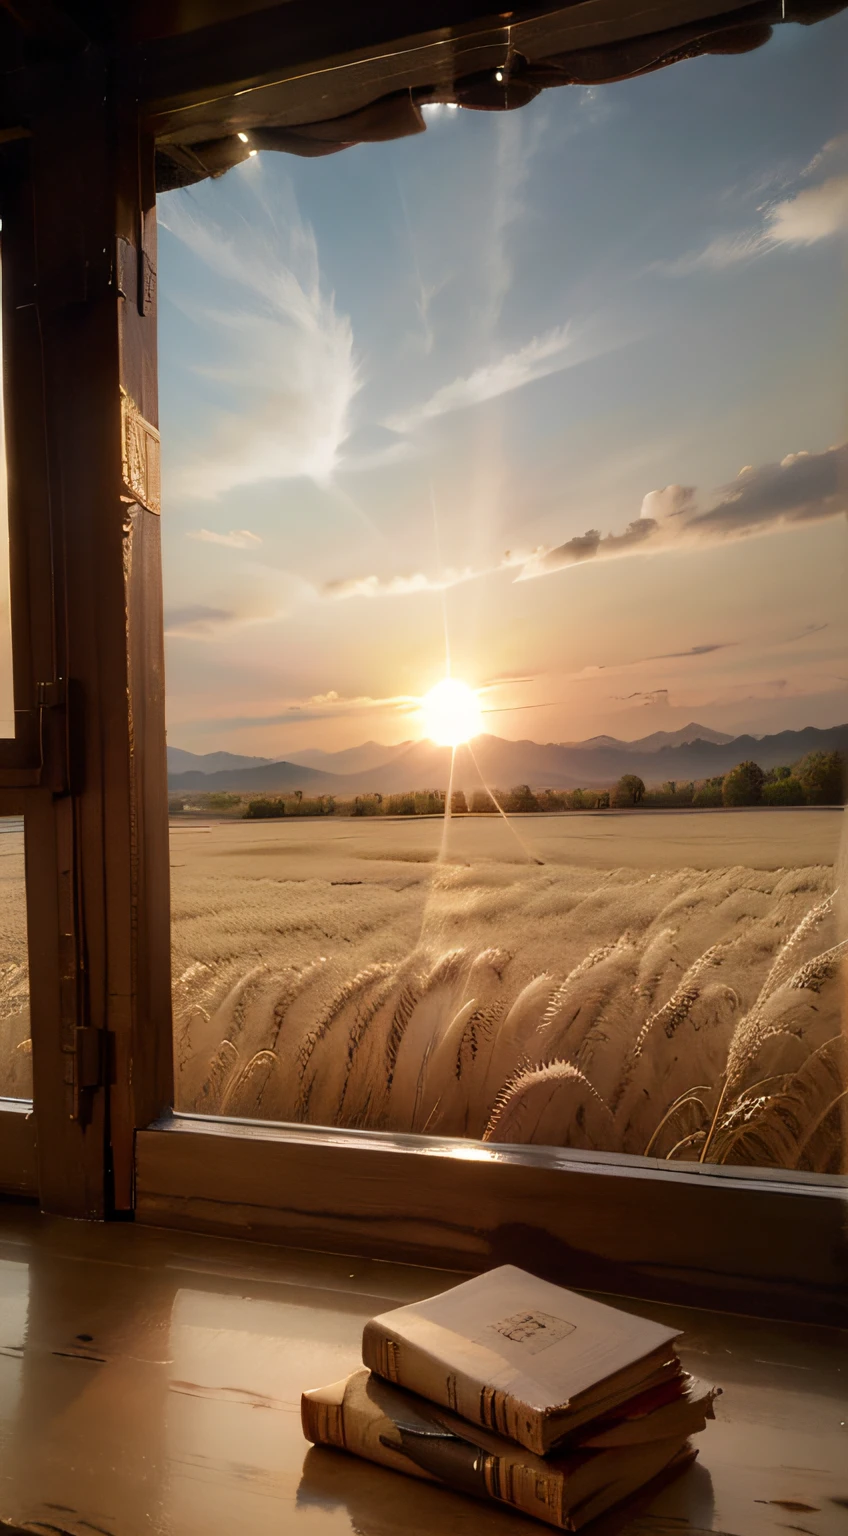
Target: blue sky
(399, 383)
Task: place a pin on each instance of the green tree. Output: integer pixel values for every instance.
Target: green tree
(522, 798)
(707, 794)
(459, 805)
(822, 775)
(743, 785)
(788, 791)
(220, 800)
(482, 803)
(263, 810)
(630, 790)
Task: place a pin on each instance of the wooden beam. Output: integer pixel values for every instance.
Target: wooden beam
(86, 457)
(284, 69)
(244, 52)
(734, 1239)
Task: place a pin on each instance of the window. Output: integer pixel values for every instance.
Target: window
(15, 1044)
(15, 1048)
(504, 579)
(308, 574)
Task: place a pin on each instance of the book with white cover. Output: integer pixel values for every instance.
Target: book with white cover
(520, 1356)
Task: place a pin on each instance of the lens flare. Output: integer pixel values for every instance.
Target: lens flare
(451, 713)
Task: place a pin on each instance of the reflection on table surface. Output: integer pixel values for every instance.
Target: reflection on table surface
(150, 1381)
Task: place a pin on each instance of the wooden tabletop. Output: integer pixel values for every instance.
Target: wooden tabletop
(150, 1383)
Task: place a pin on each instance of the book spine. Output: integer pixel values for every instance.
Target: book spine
(383, 1425)
(322, 1422)
(403, 1364)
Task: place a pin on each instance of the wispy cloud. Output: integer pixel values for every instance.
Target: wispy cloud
(810, 214)
(255, 594)
(723, 252)
(508, 679)
(813, 214)
(693, 650)
(322, 706)
(237, 538)
(565, 346)
(803, 488)
(397, 586)
(289, 354)
(515, 144)
(808, 630)
(652, 696)
(195, 621)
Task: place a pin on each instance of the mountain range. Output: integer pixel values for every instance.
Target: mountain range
(696, 752)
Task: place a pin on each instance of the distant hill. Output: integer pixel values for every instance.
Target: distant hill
(421, 765)
(180, 761)
(269, 778)
(658, 739)
(372, 754)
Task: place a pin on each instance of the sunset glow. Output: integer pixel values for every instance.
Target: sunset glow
(451, 713)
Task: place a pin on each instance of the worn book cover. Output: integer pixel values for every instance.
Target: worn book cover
(381, 1423)
(520, 1356)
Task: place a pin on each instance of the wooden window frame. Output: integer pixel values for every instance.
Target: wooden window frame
(760, 1241)
(87, 766)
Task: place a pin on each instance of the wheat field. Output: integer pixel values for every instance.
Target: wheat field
(350, 977)
(614, 983)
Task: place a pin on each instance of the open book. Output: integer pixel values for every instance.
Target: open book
(526, 1359)
(372, 1419)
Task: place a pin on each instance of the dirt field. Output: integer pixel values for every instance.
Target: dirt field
(564, 980)
(758, 839)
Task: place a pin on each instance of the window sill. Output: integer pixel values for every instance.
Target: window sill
(744, 1240)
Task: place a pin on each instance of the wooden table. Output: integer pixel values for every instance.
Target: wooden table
(150, 1382)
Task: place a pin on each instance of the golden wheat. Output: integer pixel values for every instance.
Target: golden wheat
(684, 1013)
(728, 1054)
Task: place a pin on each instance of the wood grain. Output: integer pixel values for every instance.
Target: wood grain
(150, 1381)
(297, 64)
(771, 1246)
(79, 269)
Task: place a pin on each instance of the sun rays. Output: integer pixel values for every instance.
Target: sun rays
(451, 713)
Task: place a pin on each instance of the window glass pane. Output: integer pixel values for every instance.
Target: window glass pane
(15, 1047)
(505, 574)
(7, 701)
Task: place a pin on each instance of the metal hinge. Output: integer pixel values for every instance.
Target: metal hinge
(88, 1067)
(51, 695)
(52, 702)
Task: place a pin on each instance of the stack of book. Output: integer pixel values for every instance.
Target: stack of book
(515, 1390)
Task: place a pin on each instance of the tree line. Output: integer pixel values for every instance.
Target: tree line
(818, 779)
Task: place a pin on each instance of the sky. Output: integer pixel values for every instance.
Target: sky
(554, 400)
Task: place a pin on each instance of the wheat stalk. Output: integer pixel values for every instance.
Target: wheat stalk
(552, 1104)
(465, 1043)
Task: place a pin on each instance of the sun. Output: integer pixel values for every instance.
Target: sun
(451, 713)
